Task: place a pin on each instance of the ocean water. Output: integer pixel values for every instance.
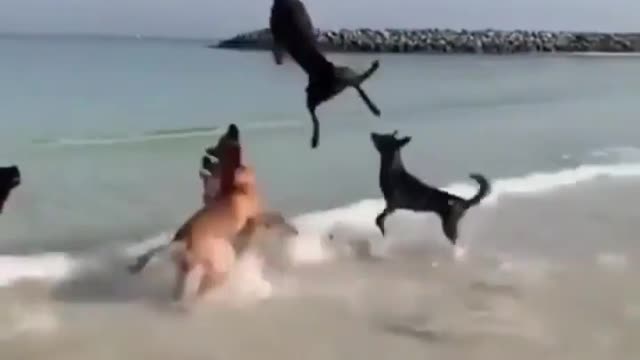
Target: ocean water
(109, 133)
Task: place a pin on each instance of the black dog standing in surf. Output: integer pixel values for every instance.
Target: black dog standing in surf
(402, 190)
(9, 180)
(292, 31)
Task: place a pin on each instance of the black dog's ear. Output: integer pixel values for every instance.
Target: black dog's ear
(233, 133)
(394, 133)
(404, 141)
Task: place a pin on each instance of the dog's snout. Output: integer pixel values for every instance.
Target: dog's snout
(16, 173)
(209, 165)
(213, 151)
(10, 175)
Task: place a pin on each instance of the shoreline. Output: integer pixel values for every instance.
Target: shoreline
(447, 41)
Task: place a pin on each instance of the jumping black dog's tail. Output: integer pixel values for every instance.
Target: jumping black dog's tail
(483, 191)
(456, 211)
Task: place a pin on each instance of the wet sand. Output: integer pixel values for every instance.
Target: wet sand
(549, 276)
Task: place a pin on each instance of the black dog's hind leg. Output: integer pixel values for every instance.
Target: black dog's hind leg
(350, 78)
(315, 137)
(370, 104)
(381, 218)
(451, 218)
(367, 74)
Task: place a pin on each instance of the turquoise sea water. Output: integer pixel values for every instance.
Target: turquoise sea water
(109, 134)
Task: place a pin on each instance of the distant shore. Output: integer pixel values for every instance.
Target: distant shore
(446, 41)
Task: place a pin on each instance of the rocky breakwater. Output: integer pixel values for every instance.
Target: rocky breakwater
(451, 41)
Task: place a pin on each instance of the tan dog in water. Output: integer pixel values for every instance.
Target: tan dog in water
(223, 228)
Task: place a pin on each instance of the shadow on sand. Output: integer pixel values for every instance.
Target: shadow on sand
(109, 281)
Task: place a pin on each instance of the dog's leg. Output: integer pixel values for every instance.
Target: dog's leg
(370, 71)
(370, 104)
(207, 283)
(278, 53)
(451, 218)
(382, 217)
(350, 78)
(315, 137)
(217, 268)
(188, 284)
(210, 281)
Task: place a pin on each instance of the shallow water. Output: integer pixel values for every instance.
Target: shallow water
(547, 266)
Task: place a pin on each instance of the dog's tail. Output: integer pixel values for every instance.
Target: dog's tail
(143, 260)
(483, 191)
(456, 211)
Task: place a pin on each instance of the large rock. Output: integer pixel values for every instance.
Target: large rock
(450, 41)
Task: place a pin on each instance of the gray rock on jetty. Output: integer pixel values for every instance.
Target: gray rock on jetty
(439, 41)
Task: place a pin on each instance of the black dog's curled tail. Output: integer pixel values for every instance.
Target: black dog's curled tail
(483, 191)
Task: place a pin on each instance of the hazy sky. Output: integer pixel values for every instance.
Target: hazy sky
(215, 18)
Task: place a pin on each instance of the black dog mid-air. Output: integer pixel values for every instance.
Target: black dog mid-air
(293, 32)
(9, 179)
(402, 190)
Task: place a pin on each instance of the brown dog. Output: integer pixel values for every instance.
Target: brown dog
(217, 233)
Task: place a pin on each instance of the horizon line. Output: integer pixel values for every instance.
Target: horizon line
(106, 35)
(141, 36)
